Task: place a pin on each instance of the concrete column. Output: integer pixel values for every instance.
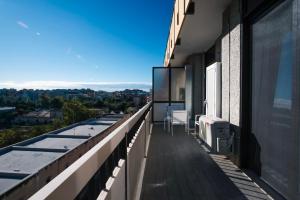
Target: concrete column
(231, 66)
(225, 58)
(231, 63)
(198, 82)
(235, 63)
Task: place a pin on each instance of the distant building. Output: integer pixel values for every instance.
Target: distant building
(99, 112)
(7, 109)
(39, 117)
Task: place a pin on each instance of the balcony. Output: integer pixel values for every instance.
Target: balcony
(141, 160)
(181, 167)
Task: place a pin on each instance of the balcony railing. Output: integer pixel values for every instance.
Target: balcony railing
(111, 169)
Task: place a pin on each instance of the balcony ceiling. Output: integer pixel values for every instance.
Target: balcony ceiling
(200, 30)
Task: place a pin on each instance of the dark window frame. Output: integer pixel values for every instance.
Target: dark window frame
(170, 102)
(247, 160)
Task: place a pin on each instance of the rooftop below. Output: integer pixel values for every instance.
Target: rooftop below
(21, 160)
(57, 143)
(27, 162)
(86, 129)
(8, 182)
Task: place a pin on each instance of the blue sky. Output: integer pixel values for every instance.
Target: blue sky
(70, 43)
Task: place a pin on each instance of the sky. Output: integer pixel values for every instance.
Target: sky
(47, 44)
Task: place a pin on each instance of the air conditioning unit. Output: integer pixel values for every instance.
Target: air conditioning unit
(215, 133)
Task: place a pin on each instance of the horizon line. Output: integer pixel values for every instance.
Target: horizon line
(93, 85)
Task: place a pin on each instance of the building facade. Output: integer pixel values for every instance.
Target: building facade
(256, 43)
(39, 117)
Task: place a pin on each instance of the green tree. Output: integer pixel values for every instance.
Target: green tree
(99, 104)
(23, 107)
(57, 124)
(75, 111)
(57, 103)
(45, 101)
(38, 130)
(8, 137)
(131, 110)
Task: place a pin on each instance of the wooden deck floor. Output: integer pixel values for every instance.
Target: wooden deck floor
(178, 167)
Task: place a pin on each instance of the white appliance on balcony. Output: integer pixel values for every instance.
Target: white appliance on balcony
(213, 90)
(214, 131)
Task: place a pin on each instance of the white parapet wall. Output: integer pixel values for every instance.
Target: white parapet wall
(134, 161)
(147, 131)
(136, 153)
(115, 189)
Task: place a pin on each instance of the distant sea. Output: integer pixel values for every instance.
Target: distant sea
(106, 86)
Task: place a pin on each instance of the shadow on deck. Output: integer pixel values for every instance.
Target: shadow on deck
(179, 167)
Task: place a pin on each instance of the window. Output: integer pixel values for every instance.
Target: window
(177, 84)
(275, 96)
(160, 84)
(168, 89)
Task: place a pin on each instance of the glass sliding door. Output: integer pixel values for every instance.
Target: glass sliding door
(275, 97)
(168, 90)
(161, 90)
(161, 80)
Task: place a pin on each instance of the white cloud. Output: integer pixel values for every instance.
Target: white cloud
(22, 24)
(107, 86)
(38, 33)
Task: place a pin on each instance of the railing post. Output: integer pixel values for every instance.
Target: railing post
(126, 169)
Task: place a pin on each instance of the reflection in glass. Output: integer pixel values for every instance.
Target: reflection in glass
(178, 84)
(161, 84)
(272, 66)
(159, 111)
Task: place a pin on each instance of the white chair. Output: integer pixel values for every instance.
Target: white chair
(180, 117)
(167, 118)
(197, 123)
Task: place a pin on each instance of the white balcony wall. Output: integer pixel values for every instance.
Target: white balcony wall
(135, 158)
(115, 189)
(136, 152)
